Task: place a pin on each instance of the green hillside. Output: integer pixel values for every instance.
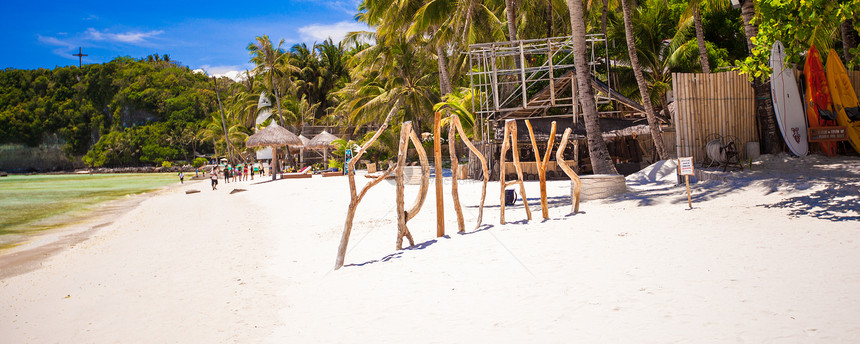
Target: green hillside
(125, 112)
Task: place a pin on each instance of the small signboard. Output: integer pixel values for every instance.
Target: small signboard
(824, 134)
(686, 166)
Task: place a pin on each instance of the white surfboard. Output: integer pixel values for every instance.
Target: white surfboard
(787, 103)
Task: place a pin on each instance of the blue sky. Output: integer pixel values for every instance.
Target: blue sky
(211, 35)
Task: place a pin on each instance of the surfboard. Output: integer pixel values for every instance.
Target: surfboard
(819, 111)
(844, 99)
(787, 103)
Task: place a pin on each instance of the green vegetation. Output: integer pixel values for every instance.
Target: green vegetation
(125, 112)
(142, 112)
(198, 162)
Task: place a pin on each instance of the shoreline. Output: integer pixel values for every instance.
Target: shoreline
(28, 254)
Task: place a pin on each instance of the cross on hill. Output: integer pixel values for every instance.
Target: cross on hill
(80, 56)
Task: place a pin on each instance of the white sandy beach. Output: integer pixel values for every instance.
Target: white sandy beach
(770, 256)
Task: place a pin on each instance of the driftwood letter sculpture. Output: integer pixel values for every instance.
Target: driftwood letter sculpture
(454, 126)
(542, 165)
(403, 216)
(570, 173)
(356, 197)
(437, 157)
(510, 141)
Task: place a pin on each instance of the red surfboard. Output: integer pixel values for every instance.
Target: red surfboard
(819, 108)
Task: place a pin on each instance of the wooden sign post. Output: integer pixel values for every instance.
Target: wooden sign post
(685, 167)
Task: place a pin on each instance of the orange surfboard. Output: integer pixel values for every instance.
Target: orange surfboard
(819, 108)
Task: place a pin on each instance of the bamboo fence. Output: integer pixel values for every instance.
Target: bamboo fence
(709, 104)
(855, 80)
(717, 103)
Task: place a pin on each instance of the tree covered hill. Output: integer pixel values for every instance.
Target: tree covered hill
(124, 112)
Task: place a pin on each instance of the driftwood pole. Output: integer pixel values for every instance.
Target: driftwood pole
(570, 173)
(455, 124)
(403, 216)
(455, 169)
(355, 197)
(542, 165)
(437, 156)
(510, 141)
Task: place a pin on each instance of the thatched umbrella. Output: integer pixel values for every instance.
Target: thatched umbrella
(322, 141)
(273, 136)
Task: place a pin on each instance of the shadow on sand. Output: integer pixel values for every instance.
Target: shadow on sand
(836, 203)
(398, 254)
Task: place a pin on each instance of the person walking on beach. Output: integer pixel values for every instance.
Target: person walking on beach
(214, 177)
(181, 178)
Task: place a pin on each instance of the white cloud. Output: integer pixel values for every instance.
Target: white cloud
(55, 41)
(336, 31)
(126, 37)
(65, 47)
(237, 73)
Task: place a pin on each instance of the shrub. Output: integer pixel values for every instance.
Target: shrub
(198, 162)
(335, 163)
(166, 164)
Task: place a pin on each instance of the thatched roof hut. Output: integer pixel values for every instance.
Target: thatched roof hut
(322, 141)
(273, 136)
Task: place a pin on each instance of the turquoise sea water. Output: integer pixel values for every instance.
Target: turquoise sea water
(29, 203)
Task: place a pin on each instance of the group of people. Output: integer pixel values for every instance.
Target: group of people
(230, 173)
(240, 172)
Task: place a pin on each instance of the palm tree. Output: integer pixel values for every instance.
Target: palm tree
(511, 13)
(600, 160)
(333, 73)
(694, 10)
(270, 61)
(393, 74)
(761, 88)
(848, 42)
(656, 134)
(454, 24)
(300, 113)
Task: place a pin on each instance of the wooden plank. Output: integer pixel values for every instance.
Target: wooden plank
(551, 76)
(495, 79)
(523, 76)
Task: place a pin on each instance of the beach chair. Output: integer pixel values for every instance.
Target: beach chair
(303, 173)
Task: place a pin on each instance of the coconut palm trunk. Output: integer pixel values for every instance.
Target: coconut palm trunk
(761, 89)
(848, 42)
(601, 162)
(511, 12)
(603, 18)
(653, 125)
(700, 39)
(223, 121)
(444, 75)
